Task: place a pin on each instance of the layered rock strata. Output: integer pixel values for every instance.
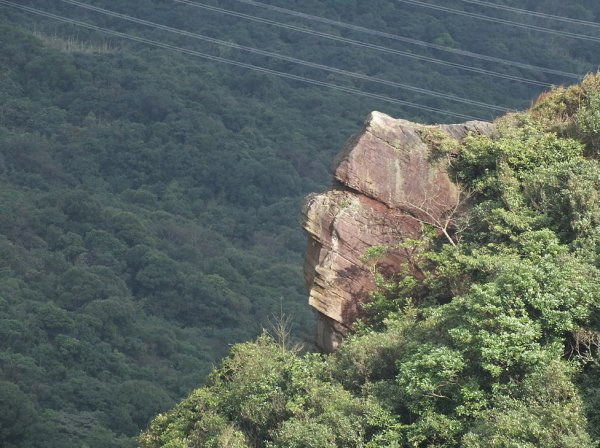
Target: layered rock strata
(387, 183)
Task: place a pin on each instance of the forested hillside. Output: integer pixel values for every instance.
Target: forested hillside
(489, 336)
(149, 197)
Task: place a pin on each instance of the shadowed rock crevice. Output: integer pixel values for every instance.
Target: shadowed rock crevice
(382, 176)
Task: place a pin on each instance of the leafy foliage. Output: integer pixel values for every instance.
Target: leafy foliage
(501, 350)
(148, 207)
(265, 395)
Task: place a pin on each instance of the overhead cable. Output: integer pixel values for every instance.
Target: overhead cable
(534, 13)
(288, 58)
(502, 21)
(409, 40)
(235, 63)
(364, 44)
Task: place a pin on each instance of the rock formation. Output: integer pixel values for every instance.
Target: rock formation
(387, 182)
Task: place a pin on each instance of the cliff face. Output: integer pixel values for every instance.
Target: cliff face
(387, 183)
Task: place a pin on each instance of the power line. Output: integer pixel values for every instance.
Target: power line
(363, 44)
(502, 21)
(289, 59)
(410, 40)
(235, 63)
(533, 13)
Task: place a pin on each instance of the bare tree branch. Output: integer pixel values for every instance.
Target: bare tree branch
(439, 214)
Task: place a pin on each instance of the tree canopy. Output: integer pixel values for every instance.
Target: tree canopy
(498, 346)
(149, 203)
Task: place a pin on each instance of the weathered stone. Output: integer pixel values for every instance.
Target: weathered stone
(342, 225)
(388, 184)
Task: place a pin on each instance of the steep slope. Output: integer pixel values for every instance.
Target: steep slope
(149, 199)
(488, 337)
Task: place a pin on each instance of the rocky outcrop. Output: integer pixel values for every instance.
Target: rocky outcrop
(388, 181)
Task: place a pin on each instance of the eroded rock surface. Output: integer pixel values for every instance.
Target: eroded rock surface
(387, 183)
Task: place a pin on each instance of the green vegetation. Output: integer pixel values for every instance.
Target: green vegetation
(498, 346)
(148, 220)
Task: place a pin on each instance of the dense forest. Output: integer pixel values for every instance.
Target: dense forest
(494, 341)
(148, 220)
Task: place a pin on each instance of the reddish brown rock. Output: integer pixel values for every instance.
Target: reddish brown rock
(388, 183)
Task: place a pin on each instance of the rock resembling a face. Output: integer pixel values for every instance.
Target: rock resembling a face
(387, 184)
